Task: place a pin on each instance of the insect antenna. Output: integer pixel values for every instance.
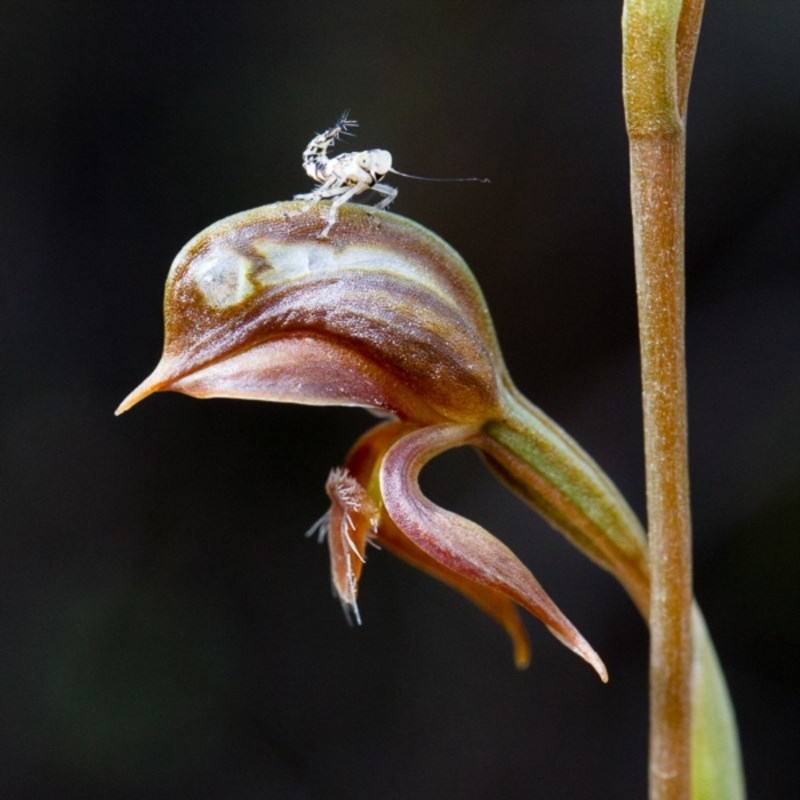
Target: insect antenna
(439, 180)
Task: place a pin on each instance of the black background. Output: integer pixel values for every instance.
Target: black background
(166, 630)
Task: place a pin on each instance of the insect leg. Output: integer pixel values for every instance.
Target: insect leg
(342, 198)
(389, 191)
(332, 187)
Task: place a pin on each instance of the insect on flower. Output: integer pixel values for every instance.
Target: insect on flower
(389, 318)
(348, 174)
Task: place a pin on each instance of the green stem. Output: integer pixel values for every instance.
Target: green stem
(552, 473)
(549, 470)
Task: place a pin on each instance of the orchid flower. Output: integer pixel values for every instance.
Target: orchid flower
(385, 315)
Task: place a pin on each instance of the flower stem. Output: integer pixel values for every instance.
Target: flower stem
(549, 470)
(539, 461)
(657, 175)
(659, 42)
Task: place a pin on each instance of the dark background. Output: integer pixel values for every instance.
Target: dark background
(166, 631)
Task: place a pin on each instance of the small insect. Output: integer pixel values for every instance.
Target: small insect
(348, 174)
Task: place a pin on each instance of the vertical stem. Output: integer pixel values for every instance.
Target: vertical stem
(657, 172)
(659, 41)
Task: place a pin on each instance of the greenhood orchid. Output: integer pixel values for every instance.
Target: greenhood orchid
(384, 315)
